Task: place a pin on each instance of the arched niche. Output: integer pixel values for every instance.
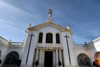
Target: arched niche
(83, 60)
(11, 59)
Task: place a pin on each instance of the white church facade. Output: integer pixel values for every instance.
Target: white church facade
(48, 45)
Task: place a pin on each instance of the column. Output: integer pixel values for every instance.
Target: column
(56, 56)
(60, 56)
(40, 56)
(54, 39)
(44, 36)
(37, 54)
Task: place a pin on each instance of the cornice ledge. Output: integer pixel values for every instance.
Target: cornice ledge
(67, 31)
(3, 45)
(31, 30)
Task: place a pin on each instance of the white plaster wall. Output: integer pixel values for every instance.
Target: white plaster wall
(3, 50)
(79, 50)
(19, 50)
(46, 30)
(31, 53)
(70, 43)
(65, 52)
(25, 50)
(97, 45)
(32, 47)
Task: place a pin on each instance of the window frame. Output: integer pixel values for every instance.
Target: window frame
(58, 38)
(40, 41)
(49, 38)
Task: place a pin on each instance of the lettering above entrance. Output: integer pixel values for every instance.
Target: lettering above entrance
(50, 47)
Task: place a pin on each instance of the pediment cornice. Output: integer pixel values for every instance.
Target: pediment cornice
(48, 23)
(51, 24)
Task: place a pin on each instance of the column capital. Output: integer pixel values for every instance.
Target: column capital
(56, 49)
(59, 49)
(37, 48)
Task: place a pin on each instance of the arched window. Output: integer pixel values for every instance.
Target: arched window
(49, 38)
(83, 60)
(57, 38)
(11, 59)
(40, 37)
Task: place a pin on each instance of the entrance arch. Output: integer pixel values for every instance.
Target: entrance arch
(83, 60)
(11, 59)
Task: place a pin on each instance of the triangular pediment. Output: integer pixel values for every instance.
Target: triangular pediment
(43, 25)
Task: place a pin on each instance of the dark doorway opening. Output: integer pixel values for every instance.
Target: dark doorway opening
(48, 59)
(11, 60)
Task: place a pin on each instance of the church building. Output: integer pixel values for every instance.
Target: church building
(48, 45)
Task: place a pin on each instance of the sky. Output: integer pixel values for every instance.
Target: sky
(83, 17)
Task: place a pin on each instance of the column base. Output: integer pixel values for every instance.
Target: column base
(60, 66)
(70, 66)
(38, 66)
(56, 65)
(26, 66)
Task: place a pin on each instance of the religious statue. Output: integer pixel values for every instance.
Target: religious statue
(50, 12)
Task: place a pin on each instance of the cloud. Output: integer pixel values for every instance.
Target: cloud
(23, 13)
(9, 25)
(10, 7)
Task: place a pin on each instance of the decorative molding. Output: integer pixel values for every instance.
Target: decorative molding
(4, 42)
(67, 31)
(48, 23)
(32, 29)
(16, 46)
(27, 31)
(79, 48)
(3, 45)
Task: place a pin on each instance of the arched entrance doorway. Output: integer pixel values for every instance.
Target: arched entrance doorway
(11, 59)
(83, 60)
